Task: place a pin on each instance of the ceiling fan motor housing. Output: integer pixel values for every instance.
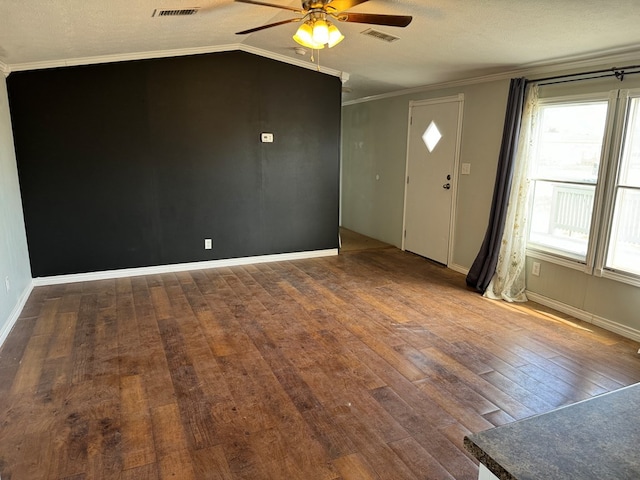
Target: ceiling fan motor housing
(314, 4)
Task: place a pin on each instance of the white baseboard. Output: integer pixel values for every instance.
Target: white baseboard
(618, 328)
(180, 267)
(602, 322)
(15, 313)
(459, 269)
(561, 307)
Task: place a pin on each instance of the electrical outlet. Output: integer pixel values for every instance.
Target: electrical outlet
(535, 269)
(7, 284)
(208, 244)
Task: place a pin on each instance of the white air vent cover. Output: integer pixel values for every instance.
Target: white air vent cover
(159, 12)
(380, 35)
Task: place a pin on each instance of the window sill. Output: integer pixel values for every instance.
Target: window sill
(627, 278)
(622, 277)
(558, 260)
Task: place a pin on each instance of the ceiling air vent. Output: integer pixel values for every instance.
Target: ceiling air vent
(174, 13)
(380, 35)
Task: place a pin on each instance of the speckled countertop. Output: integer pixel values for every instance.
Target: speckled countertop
(598, 438)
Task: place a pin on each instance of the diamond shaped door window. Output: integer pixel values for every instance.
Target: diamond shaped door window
(431, 136)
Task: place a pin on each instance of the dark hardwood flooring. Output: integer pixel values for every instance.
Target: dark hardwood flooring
(372, 364)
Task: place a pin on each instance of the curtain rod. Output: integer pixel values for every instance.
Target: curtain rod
(618, 72)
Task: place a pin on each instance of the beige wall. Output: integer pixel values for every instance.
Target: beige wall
(597, 299)
(374, 142)
(14, 257)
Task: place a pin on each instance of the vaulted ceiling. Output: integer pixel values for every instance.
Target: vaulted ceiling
(447, 40)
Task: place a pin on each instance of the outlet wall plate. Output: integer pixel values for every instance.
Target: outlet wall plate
(535, 269)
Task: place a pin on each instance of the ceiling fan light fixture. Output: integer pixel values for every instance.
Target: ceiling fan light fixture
(304, 36)
(320, 31)
(335, 37)
(317, 32)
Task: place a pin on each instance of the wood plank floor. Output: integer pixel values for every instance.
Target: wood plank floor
(351, 241)
(369, 365)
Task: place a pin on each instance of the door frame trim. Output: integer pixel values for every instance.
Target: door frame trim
(459, 98)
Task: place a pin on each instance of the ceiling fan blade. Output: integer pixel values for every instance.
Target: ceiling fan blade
(265, 4)
(335, 6)
(257, 29)
(376, 19)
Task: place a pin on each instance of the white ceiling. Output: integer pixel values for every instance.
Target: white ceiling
(447, 40)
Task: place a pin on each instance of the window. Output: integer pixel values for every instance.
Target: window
(623, 253)
(585, 183)
(564, 175)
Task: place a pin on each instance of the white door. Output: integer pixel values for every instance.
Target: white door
(432, 160)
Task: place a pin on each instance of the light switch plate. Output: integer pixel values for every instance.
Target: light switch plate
(266, 137)
(466, 169)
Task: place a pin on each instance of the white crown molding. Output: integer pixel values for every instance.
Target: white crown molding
(17, 67)
(181, 267)
(533, 70)
(292, 61)
(577, 62)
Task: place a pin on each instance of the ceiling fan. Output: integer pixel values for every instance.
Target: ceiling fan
(317, 31)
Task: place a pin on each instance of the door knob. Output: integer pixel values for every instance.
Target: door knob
(446, 186)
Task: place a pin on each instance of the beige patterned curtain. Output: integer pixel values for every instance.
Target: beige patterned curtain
(508, 282)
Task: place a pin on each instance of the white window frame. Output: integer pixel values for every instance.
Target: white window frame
(605, 189)
(622, 116)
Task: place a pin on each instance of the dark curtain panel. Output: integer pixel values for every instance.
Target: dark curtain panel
(484, 265)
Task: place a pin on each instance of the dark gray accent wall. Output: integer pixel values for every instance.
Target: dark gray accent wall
(134, 164)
